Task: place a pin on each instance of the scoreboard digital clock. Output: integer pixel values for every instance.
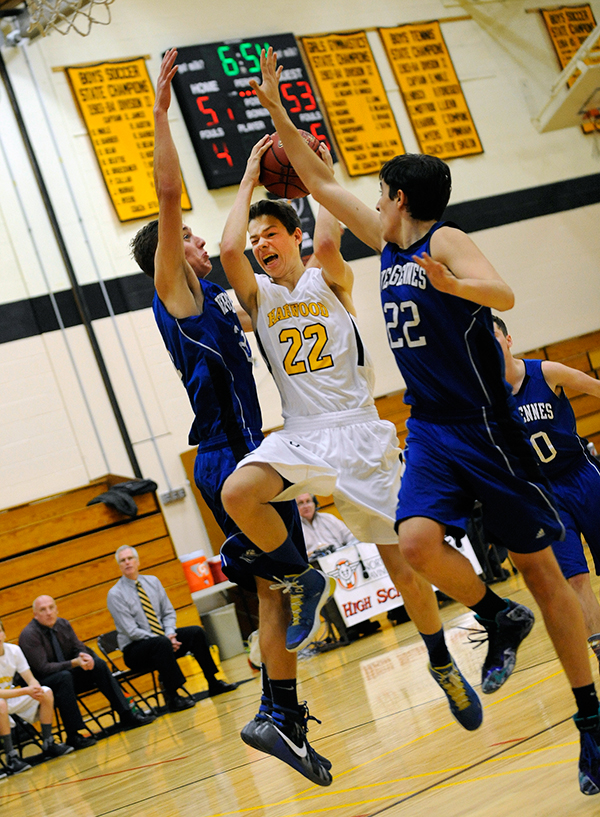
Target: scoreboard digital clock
(222, 113)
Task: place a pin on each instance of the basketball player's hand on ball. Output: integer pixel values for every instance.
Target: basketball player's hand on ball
(268, 91)
(252, 172)
(438, 274)
(325, 155)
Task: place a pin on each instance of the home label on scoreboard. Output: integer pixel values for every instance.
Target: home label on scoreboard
(115, 100)
(354, 96)
(222, 113)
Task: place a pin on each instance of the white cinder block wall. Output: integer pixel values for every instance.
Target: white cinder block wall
(57, 430)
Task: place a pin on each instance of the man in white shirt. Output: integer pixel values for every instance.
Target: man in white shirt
(321, 531)
(324, 533)
(32, 702)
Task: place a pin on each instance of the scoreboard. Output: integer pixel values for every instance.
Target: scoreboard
(221, 111)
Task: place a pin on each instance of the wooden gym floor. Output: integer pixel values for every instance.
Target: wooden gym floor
(386, 727)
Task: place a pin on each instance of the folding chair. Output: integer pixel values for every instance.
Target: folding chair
(108, 646)
(25, 734)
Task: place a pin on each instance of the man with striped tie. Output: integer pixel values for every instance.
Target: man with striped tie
(148, 635)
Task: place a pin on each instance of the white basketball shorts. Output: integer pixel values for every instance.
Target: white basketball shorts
(353, 455)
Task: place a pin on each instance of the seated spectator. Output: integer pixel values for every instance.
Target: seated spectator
(32, 702)
(148, 636)
(322, 531)
(65, 664)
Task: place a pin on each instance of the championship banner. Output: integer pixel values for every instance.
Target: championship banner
(363, 587)
(352, 92)
(116, 100)
(431, 91)
(569, 27)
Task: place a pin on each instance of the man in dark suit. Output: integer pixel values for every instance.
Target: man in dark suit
(64, 663)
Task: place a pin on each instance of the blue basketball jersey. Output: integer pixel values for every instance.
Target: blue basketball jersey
(206, 352)
(444, 346)
(550, 423)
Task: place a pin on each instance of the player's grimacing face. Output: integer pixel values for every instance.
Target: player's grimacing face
(272, 245)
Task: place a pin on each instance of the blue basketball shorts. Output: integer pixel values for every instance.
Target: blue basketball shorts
(578, 500)
(240, 558)
(449, 467)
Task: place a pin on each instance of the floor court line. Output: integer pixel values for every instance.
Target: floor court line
(317, 793)
(95, 777)
(312, 792)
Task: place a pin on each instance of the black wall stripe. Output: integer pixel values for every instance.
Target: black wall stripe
(34, 316)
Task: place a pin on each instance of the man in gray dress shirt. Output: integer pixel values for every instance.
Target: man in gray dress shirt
(148, 635)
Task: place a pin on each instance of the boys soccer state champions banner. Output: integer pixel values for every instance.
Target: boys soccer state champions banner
(363, 586)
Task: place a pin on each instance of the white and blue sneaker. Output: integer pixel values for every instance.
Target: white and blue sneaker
(308, 591)
(464, 701)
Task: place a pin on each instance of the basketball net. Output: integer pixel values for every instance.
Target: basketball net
(66, 15)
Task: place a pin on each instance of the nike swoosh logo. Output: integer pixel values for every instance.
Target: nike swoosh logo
(299, 751)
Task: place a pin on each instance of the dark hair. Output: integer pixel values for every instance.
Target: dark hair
(143, 247)
(425, 181)
(2, 627)
(501, 325)
(280, 210)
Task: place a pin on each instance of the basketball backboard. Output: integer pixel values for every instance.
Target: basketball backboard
(576, 92)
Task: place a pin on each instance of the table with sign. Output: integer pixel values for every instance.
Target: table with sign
(363, 587)
(222, 112)
(116, 101)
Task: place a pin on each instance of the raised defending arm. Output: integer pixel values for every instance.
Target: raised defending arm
(175, 281)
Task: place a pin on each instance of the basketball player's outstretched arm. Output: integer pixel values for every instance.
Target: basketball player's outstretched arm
(559, 376)
(174, 279)
(363, 221)
(457, 266)
(237, 268)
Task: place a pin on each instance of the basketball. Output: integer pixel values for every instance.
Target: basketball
(278, 175)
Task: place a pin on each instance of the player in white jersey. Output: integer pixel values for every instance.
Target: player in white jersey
(333, 441)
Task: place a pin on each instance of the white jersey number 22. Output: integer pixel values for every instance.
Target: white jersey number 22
(392, 314)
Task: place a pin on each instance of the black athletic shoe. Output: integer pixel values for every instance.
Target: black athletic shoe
(14, 764)
(287, 742)
(504, 636)
(589, 754)
(57, 750)
(302, 716)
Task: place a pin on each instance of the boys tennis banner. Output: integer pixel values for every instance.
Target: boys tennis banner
(431, 91)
